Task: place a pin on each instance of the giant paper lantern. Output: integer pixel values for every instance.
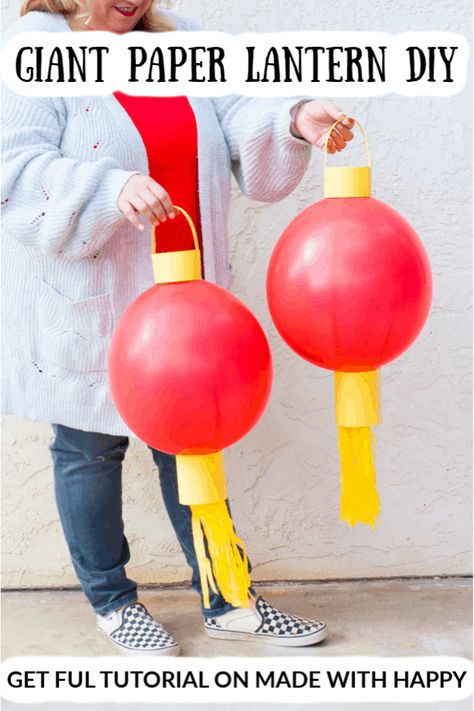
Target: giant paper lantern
(190, 373)
(349, 289)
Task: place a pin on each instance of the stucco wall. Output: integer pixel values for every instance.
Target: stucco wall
(283, 477)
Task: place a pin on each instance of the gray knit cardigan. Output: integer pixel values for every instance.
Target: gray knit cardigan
(71, 263)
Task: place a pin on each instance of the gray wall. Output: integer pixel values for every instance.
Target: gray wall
(283, 477)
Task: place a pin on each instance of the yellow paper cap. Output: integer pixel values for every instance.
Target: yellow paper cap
(176, 266)
(357, 398)
(342, 181)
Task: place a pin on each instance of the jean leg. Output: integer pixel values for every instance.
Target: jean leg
(88, 487)
(180, 517)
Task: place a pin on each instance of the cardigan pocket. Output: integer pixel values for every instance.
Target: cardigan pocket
(74, 334)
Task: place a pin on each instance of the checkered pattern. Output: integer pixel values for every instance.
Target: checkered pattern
(139, 631)
(212, 622)
(275, 623)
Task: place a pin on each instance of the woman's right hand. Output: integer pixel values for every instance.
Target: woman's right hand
(141, 195)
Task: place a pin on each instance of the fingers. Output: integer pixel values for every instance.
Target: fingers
(155, 206)
(316, 135)
(164, 199)
(341, 133)
(144, 197)
(140, 206)
(339, 137)
(336, 142)
(344, 132)
(346, 121)
(334, 113)
(322, 115)
(330, 147)
(132, 217)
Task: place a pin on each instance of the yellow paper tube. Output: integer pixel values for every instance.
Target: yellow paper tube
(201, 478)
(357, 398)
(357, 409)
(201, 485)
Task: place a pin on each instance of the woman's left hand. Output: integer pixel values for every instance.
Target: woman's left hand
(313, 119)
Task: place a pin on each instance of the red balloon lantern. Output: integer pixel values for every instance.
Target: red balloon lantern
(349, 284)
(190, 372)
(190, 368)
(349, 289)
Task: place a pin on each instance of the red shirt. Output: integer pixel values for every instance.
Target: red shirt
(168, 129)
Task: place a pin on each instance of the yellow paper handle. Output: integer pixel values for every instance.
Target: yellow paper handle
(340, 120)
(191, 226)
(180, 265)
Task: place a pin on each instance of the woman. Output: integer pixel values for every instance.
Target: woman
(84, 180)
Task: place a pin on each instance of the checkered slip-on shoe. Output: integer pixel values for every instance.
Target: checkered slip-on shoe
(264, 623)
(134, 631)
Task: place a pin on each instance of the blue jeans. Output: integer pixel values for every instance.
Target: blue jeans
(88, 487)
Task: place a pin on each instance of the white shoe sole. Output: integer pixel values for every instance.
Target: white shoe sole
(313, 638)
(174, 651)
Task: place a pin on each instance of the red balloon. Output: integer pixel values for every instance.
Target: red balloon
(189, 368)
(349, 284)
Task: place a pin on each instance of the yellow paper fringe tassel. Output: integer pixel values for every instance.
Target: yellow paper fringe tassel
(359, 497)
(228, 566)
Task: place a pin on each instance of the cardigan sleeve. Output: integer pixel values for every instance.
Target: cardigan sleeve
(267, 160)
(66, 208)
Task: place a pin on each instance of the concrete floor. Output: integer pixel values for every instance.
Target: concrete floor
(386, 618)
